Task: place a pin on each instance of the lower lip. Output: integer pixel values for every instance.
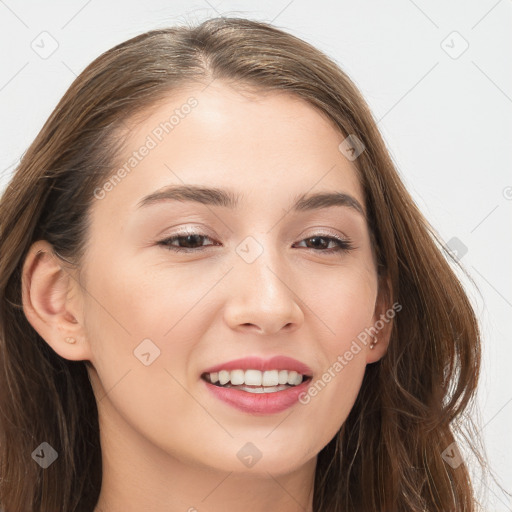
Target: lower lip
(259, 403)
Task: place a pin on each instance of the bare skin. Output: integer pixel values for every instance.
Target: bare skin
(168, 444)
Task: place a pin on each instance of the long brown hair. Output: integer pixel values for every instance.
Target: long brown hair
(388, 455)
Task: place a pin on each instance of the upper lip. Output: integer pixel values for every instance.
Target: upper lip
(258, 363)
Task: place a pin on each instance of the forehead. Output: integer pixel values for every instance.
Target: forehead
(270, 146)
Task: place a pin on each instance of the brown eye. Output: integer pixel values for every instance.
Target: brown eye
(192, 242)
(187, 242)
(320, 243)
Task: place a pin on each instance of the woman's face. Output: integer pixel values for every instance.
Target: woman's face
(260, 279)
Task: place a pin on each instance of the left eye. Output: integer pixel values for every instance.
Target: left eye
(317, 243)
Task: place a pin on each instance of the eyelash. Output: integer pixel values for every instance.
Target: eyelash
(344, 245)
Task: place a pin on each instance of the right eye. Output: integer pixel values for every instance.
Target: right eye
(187, 242)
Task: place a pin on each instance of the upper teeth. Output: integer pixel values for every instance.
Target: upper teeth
(256, 377)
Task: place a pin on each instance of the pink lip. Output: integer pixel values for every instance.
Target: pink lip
(257, 363)
(261, 403)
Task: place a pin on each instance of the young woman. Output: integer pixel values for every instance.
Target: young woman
(216, 294)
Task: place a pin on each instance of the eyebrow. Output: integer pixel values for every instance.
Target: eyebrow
(228, 199)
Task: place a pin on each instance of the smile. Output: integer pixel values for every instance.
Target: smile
(256, 381)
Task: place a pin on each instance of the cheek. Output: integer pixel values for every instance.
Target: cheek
(344, 300)
(148, 310)
(345, 303)
(331, 396)
(128, 304)
(333, 391)
(123, 309)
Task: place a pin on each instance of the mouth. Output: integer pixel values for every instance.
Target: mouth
(256, 381)
(258, 386)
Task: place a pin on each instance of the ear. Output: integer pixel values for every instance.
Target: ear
(52, 302)
(382, 320)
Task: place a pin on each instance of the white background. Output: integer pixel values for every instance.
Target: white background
(447, 121)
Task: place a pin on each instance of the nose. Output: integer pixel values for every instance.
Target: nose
(263, 298)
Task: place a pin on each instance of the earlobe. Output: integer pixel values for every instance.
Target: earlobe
(51, 302)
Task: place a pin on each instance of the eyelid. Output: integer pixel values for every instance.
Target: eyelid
(324, 232)
(188, 230)
(201, 231)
